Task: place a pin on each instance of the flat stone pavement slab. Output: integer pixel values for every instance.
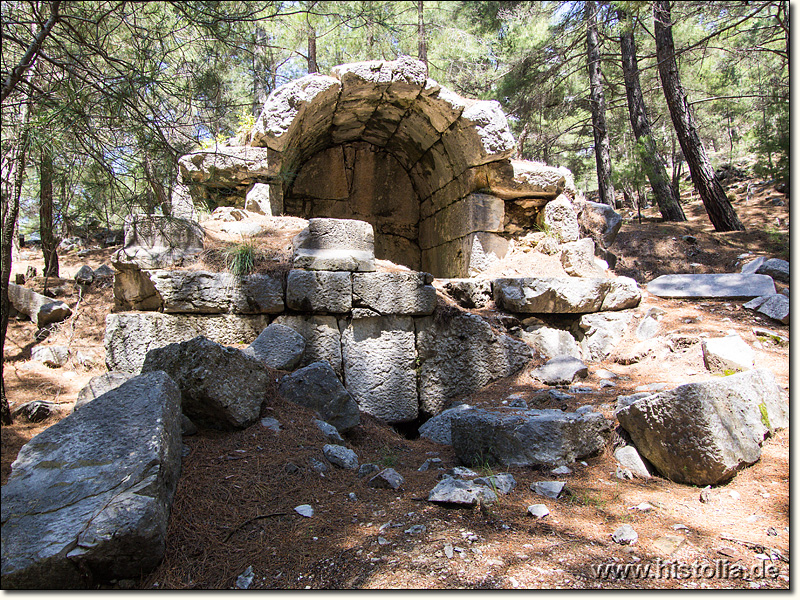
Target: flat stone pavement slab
(721, 285)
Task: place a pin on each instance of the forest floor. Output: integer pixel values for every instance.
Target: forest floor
(234, 506)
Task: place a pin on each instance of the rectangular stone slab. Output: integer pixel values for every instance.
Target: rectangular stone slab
(721, 285)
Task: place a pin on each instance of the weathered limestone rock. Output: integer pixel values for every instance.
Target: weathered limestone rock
(551, 342)
(154, 241)
(35, 411)
(395, 293)
(228, 166)
(335, 245)
(341, 456)
(559, 219)
(40, 309)
(200, 292)
(577, 258)
(500, 483)
(259, 199)
(704, 433)
(774, 267)
(317, 387)
(286, 108)
(51, 356)
(774, 306)
(460, 354)
(322, 336)
(278, 346)
(388, 479)
(602, 333)
(221, 387)
(465, 257)
(648, 327)
(469, 293)
(459, 491)
(99, 385)
(727, 353)
(84, 276)
(437, 429)
(560, 370)
(629, 458)
(130, 336)
(510, 179)
(546, 437)
(319, 291)
(88, 499)
(599, 222)
(565, 294)
(721, 285)
(379, 356)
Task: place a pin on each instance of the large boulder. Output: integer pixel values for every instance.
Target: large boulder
(512, 179)
(279, 347)
(537, 438)
(130, 336)
(99, 385)
(461, 353)
(599, 222)
(88, 499)
(221, 388)
(437, 429)
(40, 309)
(317, 387)
(704, 433)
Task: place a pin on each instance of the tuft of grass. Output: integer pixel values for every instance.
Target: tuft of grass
(240, 259)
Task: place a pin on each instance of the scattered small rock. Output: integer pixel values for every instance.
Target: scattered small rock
(304, 510)
(329, 431)
(270, 423)
(502, 483)
(562, 470)
(549, 489)
(368, 469)
(625, 535)
(538, 510)
(245, 580)
(341, 456)
(416, 529)
(387, 479)
(429, 463)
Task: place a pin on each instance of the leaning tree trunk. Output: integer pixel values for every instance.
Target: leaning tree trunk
(719, 209)
(602, 146)
(46, 229)
(666, 195)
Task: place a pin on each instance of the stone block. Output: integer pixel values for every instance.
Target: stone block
(560, 219)
(395, 293)
(279, 347)
(322, 337)
(532, 438)
(379, 357)
(130, 336)
(335, 245)
(317, 387)
(511, 179)
(717, 285)
(729, 353)
(88, 499)
(319, 291)
(476, 212)
(40, 309)
(460, 354)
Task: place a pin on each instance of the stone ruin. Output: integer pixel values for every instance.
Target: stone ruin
(382, 143)
(385, 164)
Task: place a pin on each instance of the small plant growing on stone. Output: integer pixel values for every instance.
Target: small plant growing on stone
(764, 415)
(240, 259)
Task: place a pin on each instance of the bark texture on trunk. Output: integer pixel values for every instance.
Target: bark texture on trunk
(423, 43)
(597, 102)
(49, 239)
(666, 196)
(720, 211)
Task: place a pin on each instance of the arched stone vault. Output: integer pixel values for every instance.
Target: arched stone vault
(381, 142)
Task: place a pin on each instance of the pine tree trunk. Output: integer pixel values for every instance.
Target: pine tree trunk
(666, 197)
(719, 209)
(49, 239)
(602, 146)
(422, 42)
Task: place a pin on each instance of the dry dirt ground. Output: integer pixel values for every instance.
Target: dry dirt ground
(234, 506)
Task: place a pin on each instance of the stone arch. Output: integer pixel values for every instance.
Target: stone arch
(381, 142)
